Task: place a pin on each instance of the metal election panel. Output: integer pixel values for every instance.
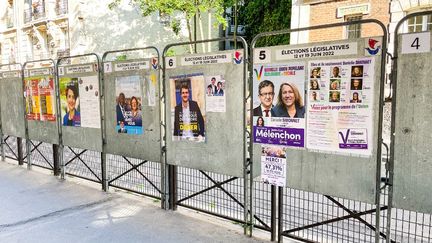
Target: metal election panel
(12, 101)
(412, 182)
(86, 136)
(223, 148)
(45, 130)
(330, 173)
(142, 146)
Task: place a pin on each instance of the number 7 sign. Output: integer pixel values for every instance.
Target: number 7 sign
(416, 43)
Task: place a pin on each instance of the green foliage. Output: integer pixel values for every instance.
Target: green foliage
(170, 53)
(188, 8)
(121, 57)
(263, 16)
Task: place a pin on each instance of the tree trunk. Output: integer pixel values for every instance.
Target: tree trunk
(201, 30)
(209, 30)
(190, 34)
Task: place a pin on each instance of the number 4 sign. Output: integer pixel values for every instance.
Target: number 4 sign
(416, 43)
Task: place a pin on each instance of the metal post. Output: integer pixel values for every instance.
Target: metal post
(2, 148)
(273, 213)
(28, 147)
(280, 215)
(55, 148)
(62, 163)
(104, 172)
(172, 171)
(20, 151)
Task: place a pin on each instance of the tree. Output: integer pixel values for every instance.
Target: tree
(188, 8)
(266, 15)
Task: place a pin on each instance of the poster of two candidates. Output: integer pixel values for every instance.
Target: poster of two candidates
(324, 106)
(132, 93)
(39, 95)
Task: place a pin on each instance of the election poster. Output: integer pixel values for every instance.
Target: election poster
(340, 102)
(128, 105)
(40, 98)
(79, 101)
(188, 107)
(279, 104)
(151, 89)
(273, 165)
(215, 93)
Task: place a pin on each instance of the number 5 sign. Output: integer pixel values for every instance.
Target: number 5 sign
(262, 56)
(416, 43)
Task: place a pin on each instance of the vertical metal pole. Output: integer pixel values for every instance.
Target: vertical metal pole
(195, 28)
(235, 25)
(273, 213)
(28, 147)
(3, 156)
(280, 214)
(173, 186)
(27, 137)
(20, 151)
(104, 172)
(62, 163)
(55, 148)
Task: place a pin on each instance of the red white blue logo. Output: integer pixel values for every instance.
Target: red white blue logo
(238, 57)
(374, 46)
(154, 63)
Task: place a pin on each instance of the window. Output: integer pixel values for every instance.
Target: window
(353, 31)
(10, 14)
(420, 23)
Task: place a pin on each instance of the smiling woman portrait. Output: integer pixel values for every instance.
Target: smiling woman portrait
(72, 117)
(289, 103)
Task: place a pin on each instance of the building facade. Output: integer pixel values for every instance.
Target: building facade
(317, 12)
(41, 29)
(307, 13)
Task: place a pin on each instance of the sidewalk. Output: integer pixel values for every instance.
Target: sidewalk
(36, 207)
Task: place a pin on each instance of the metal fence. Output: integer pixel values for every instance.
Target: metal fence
(135, 175)
(83, 163)
(11, 147)
(304, 216)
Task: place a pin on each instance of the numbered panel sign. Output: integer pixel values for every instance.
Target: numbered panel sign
(416, 43)
(262, 55)
(170, 62)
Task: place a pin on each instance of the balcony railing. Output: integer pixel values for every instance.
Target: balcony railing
(10, 21)
(61, 7)
(39, 10)
(34, 11)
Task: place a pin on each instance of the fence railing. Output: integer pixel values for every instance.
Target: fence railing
(303, 215)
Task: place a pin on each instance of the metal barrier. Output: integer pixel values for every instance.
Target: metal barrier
(308, 169)
(132, 115)
(39, 80)
(410, 213)
(11, 116)
(78, 89)
(305, 211)
(203, 85)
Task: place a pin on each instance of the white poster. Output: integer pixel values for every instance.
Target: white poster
(340, 102)
(151, 89)
(273, 165)
(215, 94)
(89, 99)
